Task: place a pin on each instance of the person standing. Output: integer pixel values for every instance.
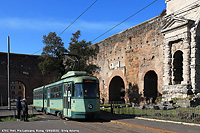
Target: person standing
(19, 108)
(25, 110)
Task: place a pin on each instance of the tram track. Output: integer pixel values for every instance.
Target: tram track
(108, 127)
(95, 126)
(101, 126)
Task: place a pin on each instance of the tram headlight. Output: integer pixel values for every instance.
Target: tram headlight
(90, 106)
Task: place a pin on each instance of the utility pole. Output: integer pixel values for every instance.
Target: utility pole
(8, 73)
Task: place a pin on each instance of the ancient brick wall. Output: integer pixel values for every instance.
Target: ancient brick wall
(130, 54)
(23, 68)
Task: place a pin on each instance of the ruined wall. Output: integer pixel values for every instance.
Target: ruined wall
(130, 54)
(23, 68)
(181, 35)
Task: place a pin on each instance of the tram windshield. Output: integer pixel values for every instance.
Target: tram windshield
(90, 90)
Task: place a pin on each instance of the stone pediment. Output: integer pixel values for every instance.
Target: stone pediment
(173, 23)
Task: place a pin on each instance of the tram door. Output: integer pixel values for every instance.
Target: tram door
(48, 100)
(67, 100)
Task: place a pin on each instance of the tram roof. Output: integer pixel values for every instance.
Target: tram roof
(39, 88)
(74, 74)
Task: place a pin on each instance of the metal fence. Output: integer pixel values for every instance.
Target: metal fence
(190, 114)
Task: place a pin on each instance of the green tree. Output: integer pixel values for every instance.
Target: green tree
(53, 58)
(83, 52)
(52, 55)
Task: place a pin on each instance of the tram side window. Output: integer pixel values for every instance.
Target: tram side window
(52, 92)
(78, 89)
(41, 94)
(45, 93)
(38, 94)
(59, 93)
(56, 92)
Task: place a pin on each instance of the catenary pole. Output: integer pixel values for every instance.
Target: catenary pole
(8, 73)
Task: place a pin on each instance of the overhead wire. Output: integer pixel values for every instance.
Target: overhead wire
(71, 23)
(107, 30)
(78, 17)
(68, 25)
(124, 20)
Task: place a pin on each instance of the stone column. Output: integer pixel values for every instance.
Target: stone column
(193, 59)
(167, 64)
(186, 61)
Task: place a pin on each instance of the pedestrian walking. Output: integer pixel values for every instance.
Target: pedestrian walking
(25, 110)
(19, 108)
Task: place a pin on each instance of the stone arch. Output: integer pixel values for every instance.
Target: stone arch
(178, 67)
(151, 86)
(117, 47)
(17, 89)
(117, 89)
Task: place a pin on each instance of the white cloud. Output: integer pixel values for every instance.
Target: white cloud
(36, 24)
(27, 24)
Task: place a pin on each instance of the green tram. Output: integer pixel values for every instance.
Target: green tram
(76, 95)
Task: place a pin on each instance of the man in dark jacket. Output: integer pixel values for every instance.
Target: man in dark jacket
(25, 110)
(19, 108)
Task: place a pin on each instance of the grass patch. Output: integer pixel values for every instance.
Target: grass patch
(32, 117)
(11, 118)
(8, 119)
(190, 114)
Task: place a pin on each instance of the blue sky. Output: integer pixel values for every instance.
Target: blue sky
(26, 21)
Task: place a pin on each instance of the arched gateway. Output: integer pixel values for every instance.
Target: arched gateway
(150, 86)
(116, 89)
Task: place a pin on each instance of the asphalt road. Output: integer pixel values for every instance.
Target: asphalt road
(52, 124)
